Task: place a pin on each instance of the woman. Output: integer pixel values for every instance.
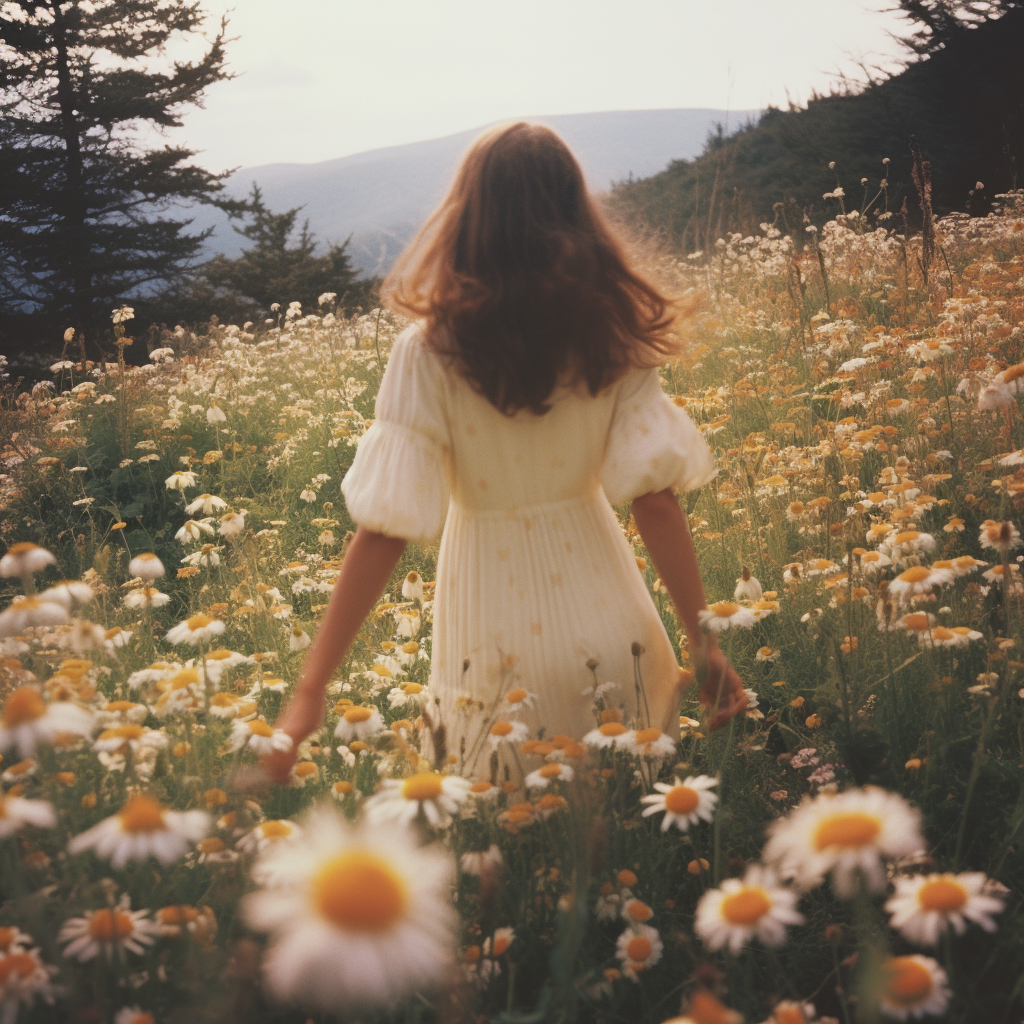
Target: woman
(522, 403)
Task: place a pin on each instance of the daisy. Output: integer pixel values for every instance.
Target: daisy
(478, 862)
(143, 828)
(434, 796)
(724, 615)
(683, 803)
(914, 986)
(747, 587)
(68, 593)
(181, 480)
(411, 693)
(848, 834)
(145, 597)
(258, 737)
(507, 732)
(756, 907)
(208, 503)
(193, 529)
(23, 977)
(359, 723)
(918, 579)
(518, 699)
(196, 629)
(146, 566)
(638, 947)
(25, 612)
(412, 587)
(15, 812)
(270, 833)
(612, 735)
(298, 639)
(232, 524)
(548, 773)
(923, 906)
(357, 916)
(27, 720)
(899, 544)
(109, 931)
(789, 1011)
(649, 743)
(24, 559)
(132, 1014)
(1000, 537)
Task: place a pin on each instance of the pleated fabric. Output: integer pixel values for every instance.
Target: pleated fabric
(535, 579)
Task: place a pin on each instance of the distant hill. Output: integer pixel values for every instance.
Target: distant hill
(381, 197)
(964, 103)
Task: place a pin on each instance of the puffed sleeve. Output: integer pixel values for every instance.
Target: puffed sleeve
(652, 443)
(398, 483)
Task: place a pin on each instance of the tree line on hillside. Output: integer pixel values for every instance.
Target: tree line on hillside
(87, 222)
(956, 110)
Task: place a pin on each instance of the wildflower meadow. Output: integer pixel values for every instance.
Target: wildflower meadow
(846, 850)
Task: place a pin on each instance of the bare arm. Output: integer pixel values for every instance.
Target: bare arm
(369, 562)
(666, 535)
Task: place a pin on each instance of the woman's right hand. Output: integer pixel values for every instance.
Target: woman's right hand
(303, 714)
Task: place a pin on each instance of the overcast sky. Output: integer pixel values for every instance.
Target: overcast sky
(319, 79)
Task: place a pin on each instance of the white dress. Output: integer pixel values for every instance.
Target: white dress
(534, 575)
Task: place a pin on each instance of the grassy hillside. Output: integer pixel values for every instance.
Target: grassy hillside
(964, 104)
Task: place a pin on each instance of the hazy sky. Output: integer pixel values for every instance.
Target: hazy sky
(319, 79)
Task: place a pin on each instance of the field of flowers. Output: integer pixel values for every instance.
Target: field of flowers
(847, 851)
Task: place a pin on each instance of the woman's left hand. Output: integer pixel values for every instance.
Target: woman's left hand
(721, 689)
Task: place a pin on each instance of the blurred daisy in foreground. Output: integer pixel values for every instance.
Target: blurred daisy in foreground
(358, 723)
(437, 797)
(16, 811)
(27, 720)
(197, 629)
(143, 828)
(24, 559)
(757, 906)
(683, 803)
(923, 906)
(110, 931)
(650, 743)
(23, 978)
(270, 833)
(26, 612)
(914, 986)
(357, 916)
(549, 773)
(146, 566)
(848, 834)
(609, 734)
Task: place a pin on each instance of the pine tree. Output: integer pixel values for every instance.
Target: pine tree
(80, 223)
(271, 270)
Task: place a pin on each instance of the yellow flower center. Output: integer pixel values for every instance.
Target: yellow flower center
(23, 706)
(916, 622)
(343, 786)
(639, 948)
(129, 731)
(22, 547)
(612, 729)
(110, 925)
(276, 829)
(906, 537)
(647, 736)
(516, 696)
(357, 714)
(120, 705)
(7, 936)
(909, 981)
(501, 729)
(639, 911)
(142, 814)
(943, 894)
(360, 891)
(682, 800)
(258, 728)
(915, 574)
(724, 609)
(847, 829)
(304, 769)
(747, 906)
(198, 621)
(551, 771)
(425, 786)
(21, 964)
(480, 787)
(411, 689)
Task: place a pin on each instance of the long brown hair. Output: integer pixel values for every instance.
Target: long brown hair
(522, 281)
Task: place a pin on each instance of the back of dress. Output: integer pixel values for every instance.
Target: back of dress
(537, 588)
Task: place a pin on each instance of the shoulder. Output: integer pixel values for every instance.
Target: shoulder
(638, 382)
(413, 353)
